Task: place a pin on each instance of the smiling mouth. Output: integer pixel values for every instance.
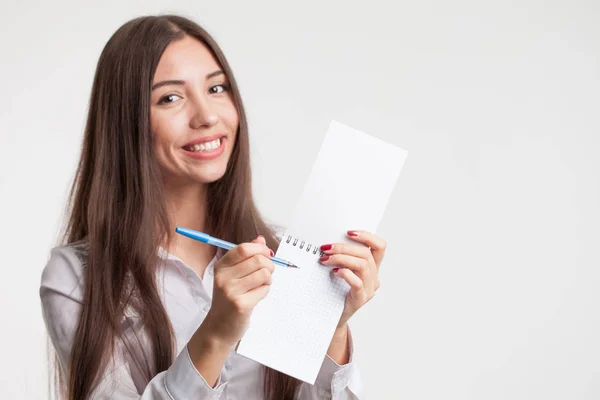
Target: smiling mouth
(204, 147)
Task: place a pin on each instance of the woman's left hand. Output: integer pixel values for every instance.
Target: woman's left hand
(358, 266)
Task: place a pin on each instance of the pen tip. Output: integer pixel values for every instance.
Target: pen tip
(294, 266)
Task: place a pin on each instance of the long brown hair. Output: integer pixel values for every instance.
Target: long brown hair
(116, 205)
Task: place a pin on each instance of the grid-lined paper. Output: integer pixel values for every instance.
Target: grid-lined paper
(348, 188)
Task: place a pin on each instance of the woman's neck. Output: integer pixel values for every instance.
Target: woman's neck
(187, 208)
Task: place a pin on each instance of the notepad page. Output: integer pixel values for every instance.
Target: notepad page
(348, 188)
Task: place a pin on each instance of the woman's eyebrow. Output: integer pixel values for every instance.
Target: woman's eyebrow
(180, 82)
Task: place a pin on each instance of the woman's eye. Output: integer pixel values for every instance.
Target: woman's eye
(162, 101)
(223, 87)
(214, 89)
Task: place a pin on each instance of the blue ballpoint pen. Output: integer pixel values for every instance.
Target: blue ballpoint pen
(206, 238)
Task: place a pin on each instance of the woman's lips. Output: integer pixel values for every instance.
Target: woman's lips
(205, 139)
(207, 154)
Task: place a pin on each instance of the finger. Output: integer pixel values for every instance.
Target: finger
(376, 243)
(356, 264)
(261, 239)
(227, 278)
(243, 252)
(357, 289)
(258, 278)
(251, 265)
(252, 297)
(350, 249)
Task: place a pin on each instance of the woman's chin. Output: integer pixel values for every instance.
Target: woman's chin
(207, 177)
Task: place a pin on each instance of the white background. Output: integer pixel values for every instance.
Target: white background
(493, 229)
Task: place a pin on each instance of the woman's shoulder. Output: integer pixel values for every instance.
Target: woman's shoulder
(61, 294)
(64, 270)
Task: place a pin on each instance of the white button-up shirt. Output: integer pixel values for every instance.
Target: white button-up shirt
(187, 298)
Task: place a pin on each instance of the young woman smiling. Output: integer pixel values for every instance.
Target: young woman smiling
(135, 311)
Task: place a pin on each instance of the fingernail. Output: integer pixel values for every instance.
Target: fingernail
(335, 270)
(272, 254)
(326, 247)
(324, 258)
(352, 233)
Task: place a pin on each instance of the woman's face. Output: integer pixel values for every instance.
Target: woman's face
(194, 121)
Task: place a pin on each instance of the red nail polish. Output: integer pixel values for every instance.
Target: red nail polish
(324, 258)
(335, 270)
(326, 247)
(352, 233)
(272, 253)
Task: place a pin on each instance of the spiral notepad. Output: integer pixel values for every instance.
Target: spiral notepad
(348, 188)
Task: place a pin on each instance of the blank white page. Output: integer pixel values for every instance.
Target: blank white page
(348, 188)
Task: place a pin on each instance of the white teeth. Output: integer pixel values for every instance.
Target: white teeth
(215, 144)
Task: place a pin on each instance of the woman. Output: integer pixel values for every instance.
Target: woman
(134, 311)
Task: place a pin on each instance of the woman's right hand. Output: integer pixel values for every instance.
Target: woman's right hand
(242, 278)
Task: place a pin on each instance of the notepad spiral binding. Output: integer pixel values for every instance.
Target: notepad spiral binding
(303, 243)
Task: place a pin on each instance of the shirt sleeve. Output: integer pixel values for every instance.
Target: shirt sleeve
(334, 381)
(61, 293)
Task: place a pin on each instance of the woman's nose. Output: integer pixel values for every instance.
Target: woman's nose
(203, 114)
